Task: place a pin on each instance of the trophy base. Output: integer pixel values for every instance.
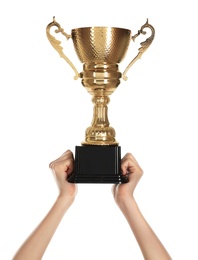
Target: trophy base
(97, 164)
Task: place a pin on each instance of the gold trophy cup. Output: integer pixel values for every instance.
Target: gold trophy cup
(100, 49)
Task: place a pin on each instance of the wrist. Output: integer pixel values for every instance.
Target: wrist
(65, 200)
(125, 201)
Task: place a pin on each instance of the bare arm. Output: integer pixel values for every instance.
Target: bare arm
(149, 243)
(34, 247)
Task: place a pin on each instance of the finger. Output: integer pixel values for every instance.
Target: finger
(62, 158)
(58, 168)
(70, 169)
(65, 156)
(127, 166)
(130, 156)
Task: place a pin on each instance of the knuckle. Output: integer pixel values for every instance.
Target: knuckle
(51, 165)
(141, 172)
(128, 155)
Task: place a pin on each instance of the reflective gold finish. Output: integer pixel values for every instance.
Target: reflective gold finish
(56, 44)
(144, 45)
(100, 49)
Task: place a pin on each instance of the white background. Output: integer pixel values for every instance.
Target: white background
(44, 112)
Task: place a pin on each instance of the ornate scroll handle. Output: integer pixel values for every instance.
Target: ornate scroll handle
(144, 45)
(56, 44)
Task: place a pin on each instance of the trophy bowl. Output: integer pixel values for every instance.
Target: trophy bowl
(101, 44)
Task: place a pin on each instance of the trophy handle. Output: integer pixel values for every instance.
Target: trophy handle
(144, 45)
(56, 44)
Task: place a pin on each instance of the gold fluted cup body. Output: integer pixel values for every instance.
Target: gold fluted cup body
(101, 44)
(100, 49)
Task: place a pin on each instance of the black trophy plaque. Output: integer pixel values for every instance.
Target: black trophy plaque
(97, 164)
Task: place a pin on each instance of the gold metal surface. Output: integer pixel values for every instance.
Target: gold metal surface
(56, 44)
(144, 45)
(100, 49)
(101, 44)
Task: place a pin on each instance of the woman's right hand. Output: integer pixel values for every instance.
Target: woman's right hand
(61, 168)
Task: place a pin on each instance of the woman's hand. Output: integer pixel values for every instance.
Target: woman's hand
(149, 243)
(129, 167)
(34, 247)
(62, 168)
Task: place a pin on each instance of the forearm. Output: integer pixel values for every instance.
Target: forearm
(150, 245)
(35, 246)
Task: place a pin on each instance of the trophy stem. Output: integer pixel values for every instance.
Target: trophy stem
(100, 117)
(100, 133)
